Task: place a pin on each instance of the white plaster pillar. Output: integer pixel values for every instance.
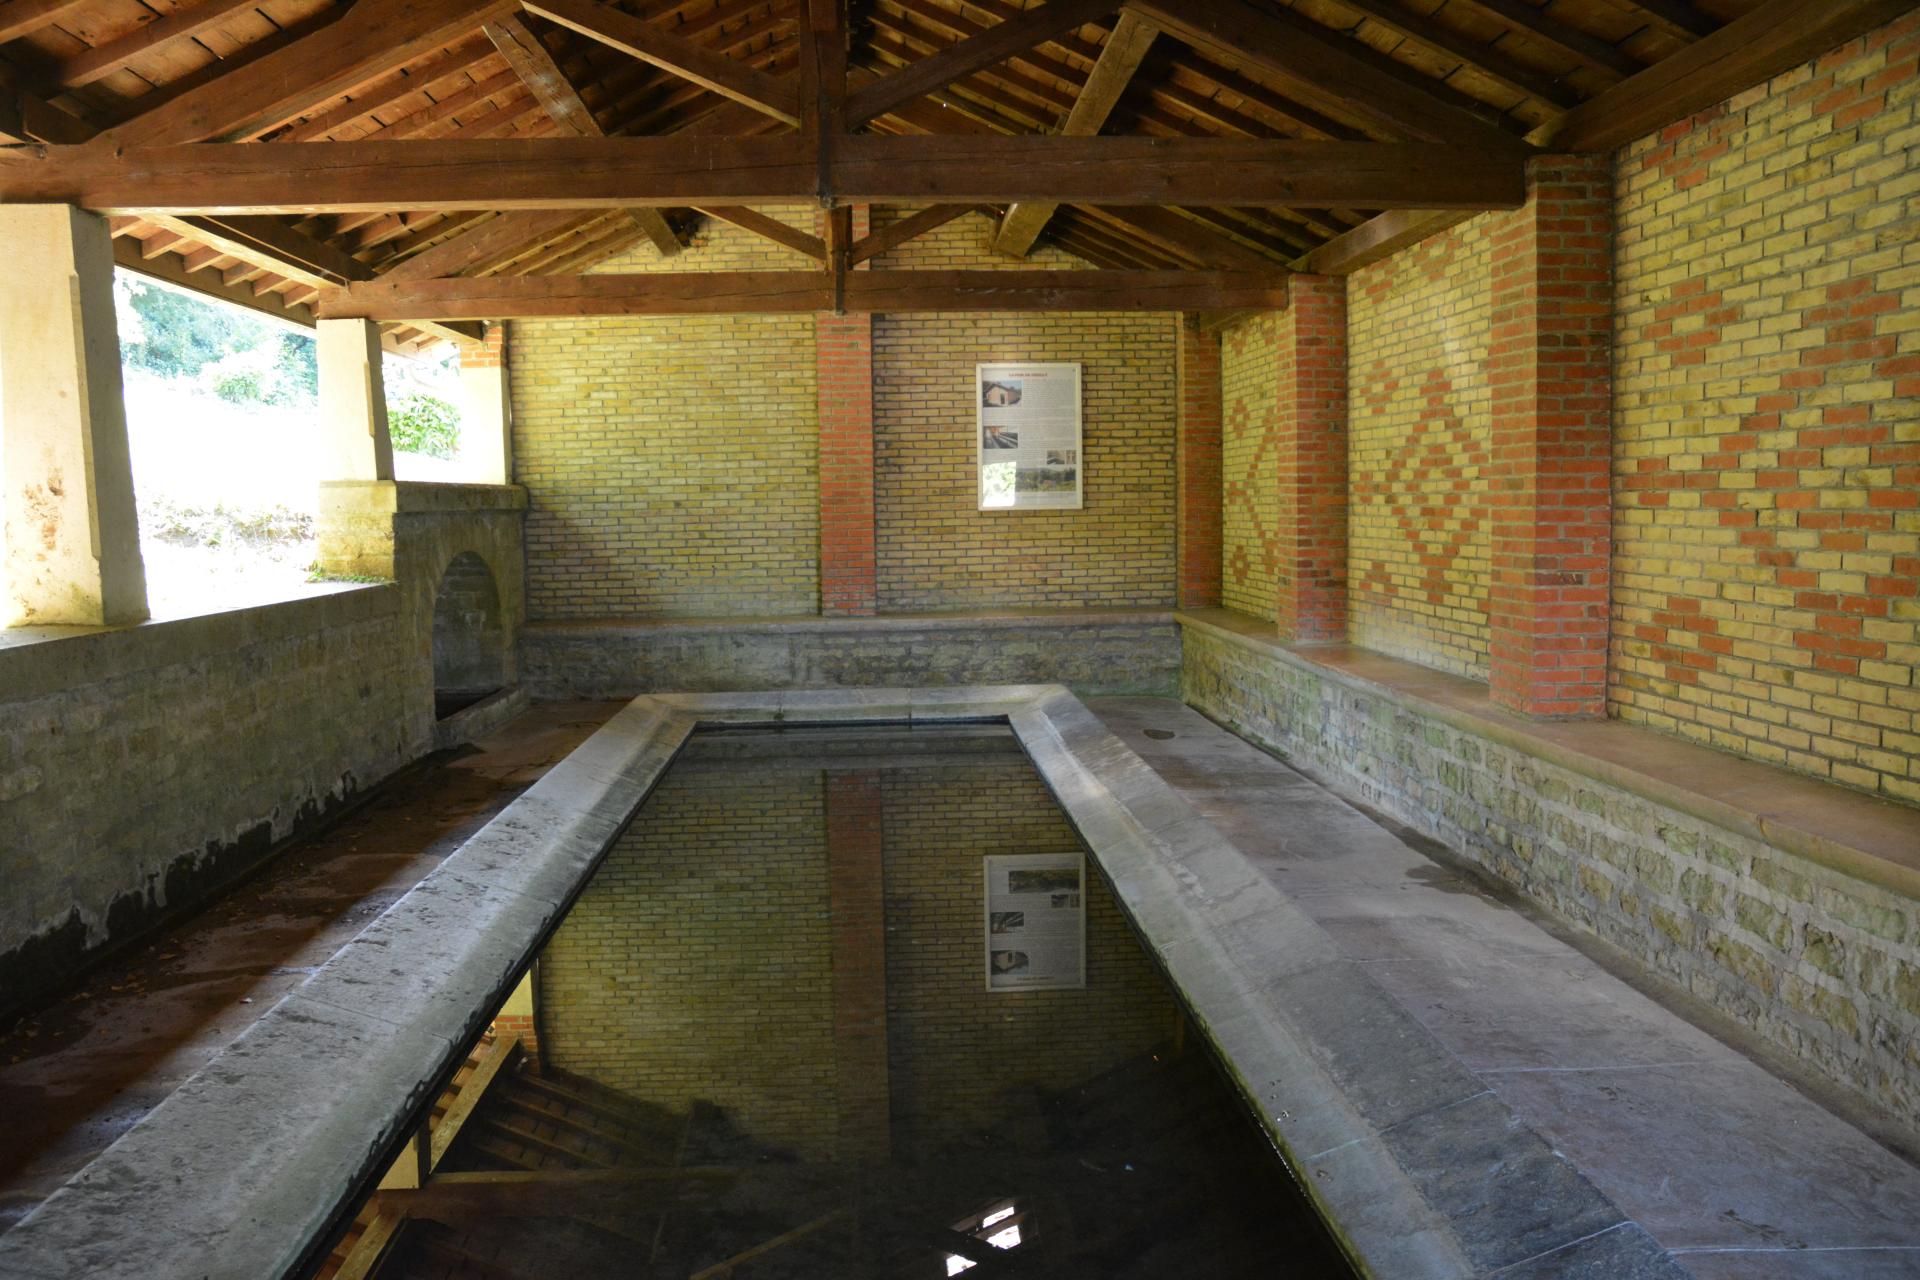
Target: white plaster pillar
(486, 409)
(353, 401)
(72, 532)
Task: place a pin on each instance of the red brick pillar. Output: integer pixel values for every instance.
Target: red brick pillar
(1311, 440)
(843, 363)
(1550, 372)
(856, 894)
(1197, 468)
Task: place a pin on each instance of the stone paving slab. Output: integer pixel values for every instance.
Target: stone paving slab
(1719, 1166)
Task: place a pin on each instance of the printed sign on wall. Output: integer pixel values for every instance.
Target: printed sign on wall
(1036, 922)
(1029, 427)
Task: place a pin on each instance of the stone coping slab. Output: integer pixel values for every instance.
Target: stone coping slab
(1850, 832)
(248, 1169)
(41, 660)
(423, 496)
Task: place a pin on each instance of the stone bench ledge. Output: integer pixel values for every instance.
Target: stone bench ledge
(1863, 836)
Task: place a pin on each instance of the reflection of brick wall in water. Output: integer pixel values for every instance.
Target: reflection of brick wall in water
(697, 964)
(956, 1049)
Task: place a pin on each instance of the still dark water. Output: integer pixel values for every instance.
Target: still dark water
(853, 1003)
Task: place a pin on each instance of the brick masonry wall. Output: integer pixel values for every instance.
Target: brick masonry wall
(1419, 330)
(960, 1052)
(937, 551)
(697, 964)
(1197, 464)
(1249, 464)
(1767, 421)
(671, 459)
(1823, 965)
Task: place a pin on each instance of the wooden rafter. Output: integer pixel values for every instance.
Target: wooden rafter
(995, 44)
(1328, 70)
(728, 292)
(768, 228)
(895, 234)
(492, 240)
(373, 37)
(530, 59)
(1126, 49)
(1184, 238)
(1772, 38)
(1485, 59)
(182, 24)
(683, 170)
(1534, 22)
(19, 17)
(616, 29)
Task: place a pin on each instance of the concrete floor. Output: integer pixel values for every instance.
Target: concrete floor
(78, 1073)
(1734, 1169)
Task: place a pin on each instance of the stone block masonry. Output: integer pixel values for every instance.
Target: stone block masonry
(1822, 963)
(1767, 421)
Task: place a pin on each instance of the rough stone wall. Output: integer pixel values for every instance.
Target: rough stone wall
(937, 551)
(1128, 654)
(958, 1051)
(1250, 482)
(671, 459)
(1823, 965)
(1767, 421)
(1420, 325)
(141, 769)
(697, 964)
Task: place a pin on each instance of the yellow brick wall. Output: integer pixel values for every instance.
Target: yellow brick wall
(936, 550)
(1419, 328)
(1767, 421)
(1249, 471)
(670, 460)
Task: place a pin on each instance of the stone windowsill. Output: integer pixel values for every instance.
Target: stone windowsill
(1859, 835)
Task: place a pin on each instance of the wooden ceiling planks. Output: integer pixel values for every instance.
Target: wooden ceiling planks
(1451, 70)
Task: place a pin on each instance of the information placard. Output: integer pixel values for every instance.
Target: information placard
(1029, 436)
(1036, 921)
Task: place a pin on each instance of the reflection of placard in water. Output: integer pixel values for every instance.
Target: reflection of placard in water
(1027, 436)
(1036, 921)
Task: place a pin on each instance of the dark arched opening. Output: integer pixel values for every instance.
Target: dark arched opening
(469, 636)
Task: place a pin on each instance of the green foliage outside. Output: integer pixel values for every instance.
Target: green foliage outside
(423, 423)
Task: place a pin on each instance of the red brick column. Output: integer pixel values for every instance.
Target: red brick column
(1197, 468)
(856, 894)
(1311, 435)
(843, 364)
(1550, 372)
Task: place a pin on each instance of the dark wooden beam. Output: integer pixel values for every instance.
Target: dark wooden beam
(777, 96)
(895, 234)
(1773, 38)
(521, 48)
(1678, 18)
(696, 170)
(272, 245)
(1125, 50)
(768, 228)
(371, 39)
(132, 255)
(996, 44)
(737, 292)
(1377, 238)
(1324, 69)
(103, 60)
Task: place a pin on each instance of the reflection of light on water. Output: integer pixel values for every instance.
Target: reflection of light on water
(1004, 1239)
